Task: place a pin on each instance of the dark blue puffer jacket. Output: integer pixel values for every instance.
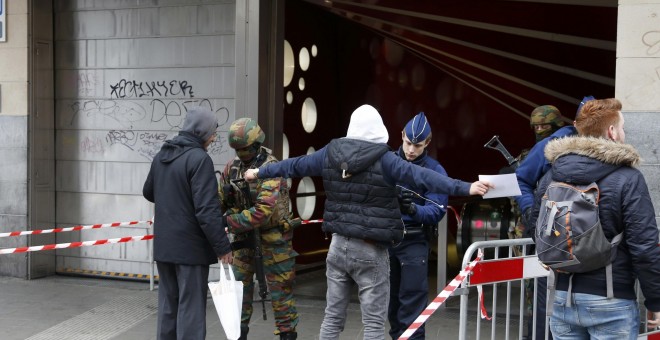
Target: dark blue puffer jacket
(624, 206)
(361, 203)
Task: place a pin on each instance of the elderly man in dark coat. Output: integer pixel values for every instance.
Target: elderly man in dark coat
(189, 230)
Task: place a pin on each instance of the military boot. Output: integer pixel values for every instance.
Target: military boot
(288, 336)
(244, 332)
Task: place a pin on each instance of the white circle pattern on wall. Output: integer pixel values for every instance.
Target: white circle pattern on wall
(303, 59)
(289, 63)
(285, 147)
(306, 204)
(308, 115)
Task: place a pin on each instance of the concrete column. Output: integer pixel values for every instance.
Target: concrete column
(14, 101)
(638, 84)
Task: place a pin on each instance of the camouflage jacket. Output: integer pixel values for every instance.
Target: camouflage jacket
(270, 210)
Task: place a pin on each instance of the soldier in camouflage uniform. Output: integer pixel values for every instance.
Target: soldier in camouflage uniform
(269, 214)
(545, 120)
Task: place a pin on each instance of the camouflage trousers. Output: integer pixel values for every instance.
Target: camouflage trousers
(280, 277)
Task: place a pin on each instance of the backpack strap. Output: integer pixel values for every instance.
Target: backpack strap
(552, 285)
(555, 208)
(569, 292)
(608, 269)
(608, 281)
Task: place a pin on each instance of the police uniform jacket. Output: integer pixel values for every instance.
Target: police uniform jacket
(427, 213)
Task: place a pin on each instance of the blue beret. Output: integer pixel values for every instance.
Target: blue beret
(418, 128)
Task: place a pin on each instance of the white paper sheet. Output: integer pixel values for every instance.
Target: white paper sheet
(505, 185)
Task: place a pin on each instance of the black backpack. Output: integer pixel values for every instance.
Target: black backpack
(569, 236)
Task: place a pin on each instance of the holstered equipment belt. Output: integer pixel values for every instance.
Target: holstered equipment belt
(414, 230)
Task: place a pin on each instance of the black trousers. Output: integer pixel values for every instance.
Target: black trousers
(182, 293)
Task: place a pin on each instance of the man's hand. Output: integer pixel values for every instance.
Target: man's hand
(227, 258)
(251, 175)
(654, 319)
(406, 204)
(480, 187)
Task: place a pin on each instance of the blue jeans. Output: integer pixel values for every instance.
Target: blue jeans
(594, 317)
(353, 261)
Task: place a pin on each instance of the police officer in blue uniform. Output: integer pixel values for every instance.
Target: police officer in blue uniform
(420, 211)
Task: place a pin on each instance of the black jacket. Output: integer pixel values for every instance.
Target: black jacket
(361, 205)
(624, 206)
(188, 224)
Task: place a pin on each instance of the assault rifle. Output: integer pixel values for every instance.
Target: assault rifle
(255, 234)
(494, 143)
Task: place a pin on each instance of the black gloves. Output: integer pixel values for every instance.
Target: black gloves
(228, 193)
(406, 204)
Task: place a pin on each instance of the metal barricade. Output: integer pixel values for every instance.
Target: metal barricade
(503, 264)
(500, 266)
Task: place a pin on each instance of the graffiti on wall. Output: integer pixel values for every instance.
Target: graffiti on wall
(137, 89)
(166, 113)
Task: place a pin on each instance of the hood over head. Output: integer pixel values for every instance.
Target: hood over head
(366, 124)
(200, 122)
(583, 160)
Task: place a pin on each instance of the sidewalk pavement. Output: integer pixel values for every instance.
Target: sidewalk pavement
(68, 307)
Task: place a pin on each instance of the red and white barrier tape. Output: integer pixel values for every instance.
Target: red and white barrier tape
(312, 221)
(75, 244)
(78, 227)
(440, 299)
(482, 308)
(649, 336)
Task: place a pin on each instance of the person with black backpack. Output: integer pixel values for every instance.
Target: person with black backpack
(596, 299)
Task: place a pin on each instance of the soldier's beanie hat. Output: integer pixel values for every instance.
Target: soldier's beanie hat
(201, 122)
(546, 114)
(418, 128)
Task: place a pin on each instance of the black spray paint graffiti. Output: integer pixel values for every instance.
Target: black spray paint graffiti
(138, 89)
(127, 113)
(123, 112)
(144, 143)
(147, 144)
(173, 112)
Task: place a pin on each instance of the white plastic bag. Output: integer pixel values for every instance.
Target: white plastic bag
(228, 300)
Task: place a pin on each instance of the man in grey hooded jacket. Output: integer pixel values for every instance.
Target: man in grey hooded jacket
(362, 212)
(188, 227)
